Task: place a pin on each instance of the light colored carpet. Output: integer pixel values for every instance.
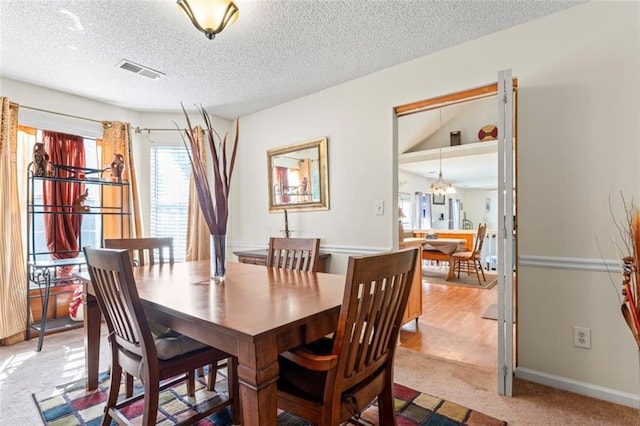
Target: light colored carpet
(439, 275)
(532, 404)
(24, 371)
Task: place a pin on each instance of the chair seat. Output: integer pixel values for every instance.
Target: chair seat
(297, 380)
(463, 255)
(307, 387)
(175, 344)
(170, 343)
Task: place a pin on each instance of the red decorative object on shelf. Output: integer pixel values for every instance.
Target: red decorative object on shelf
(488, 133)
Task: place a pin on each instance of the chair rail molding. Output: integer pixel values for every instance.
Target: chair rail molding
(334, 249)
(571, 263)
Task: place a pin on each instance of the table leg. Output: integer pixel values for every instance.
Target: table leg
(92, 320)
(259, 394)
(451, 273)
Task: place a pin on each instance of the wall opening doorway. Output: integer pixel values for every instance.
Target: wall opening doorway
(445, 135)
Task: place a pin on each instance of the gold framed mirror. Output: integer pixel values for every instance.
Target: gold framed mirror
(298, 176)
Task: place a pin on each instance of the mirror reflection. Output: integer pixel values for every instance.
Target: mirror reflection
(298, 176)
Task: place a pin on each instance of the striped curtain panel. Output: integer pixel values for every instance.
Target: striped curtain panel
(13, 273)
(116, 139)
(198, 236)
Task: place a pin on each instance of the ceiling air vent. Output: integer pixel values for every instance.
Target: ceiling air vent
(140, 69)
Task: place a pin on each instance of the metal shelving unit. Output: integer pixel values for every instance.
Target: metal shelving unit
(44, 264)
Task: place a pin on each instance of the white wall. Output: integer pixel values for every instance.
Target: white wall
(28, 95)
(578, 136)
(475, 205)
(467, 118)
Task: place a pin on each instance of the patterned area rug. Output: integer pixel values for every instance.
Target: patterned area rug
(71, 404)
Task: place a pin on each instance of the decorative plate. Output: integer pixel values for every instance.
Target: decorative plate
(488, 133)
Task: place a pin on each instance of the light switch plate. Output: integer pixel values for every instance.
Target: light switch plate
(379, 208)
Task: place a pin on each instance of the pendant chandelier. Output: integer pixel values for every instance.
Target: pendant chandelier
(210, 16)
(441, 187)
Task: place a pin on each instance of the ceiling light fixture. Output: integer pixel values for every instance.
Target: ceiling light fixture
(441, 187)
(210, 16)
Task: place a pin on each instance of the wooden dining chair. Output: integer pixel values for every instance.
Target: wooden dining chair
(144, 251)
(152, 251)
(294, 253)
(469, 261)
(134, 350)
(331, 380)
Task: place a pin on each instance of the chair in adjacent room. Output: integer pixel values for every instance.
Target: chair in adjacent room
(469, 261)
(294, 253)
(331, 380)
(137, 352)
(145, 251)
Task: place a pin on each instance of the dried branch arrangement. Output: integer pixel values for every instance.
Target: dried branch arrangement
(629, 231)
(215, 207)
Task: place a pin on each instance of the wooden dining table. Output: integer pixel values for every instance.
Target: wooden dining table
(446, 246)
(255, 314)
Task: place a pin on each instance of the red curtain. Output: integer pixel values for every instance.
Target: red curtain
(62, 230)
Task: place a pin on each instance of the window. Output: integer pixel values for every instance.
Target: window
(404, 210)
(170, 173)
(91, 229)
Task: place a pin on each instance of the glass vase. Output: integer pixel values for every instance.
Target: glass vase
(218, 256)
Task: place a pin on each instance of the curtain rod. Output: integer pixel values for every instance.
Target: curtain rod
(60, 113)
(136, 129)
(144, 129)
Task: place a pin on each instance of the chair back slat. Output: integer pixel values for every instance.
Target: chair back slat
(375, 299)
(392, 299)
(299, 254)
(145, 251)
(107, 284)
(482, 231)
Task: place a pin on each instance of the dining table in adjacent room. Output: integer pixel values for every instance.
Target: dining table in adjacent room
(255, 314)
(446, 246)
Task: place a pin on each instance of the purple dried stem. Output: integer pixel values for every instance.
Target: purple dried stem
(215, 207)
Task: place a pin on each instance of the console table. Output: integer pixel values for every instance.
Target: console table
(259, 257)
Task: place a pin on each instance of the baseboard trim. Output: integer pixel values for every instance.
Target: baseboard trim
(581, 388)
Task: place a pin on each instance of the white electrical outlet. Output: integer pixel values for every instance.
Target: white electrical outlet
(379, 207)
(582, 337)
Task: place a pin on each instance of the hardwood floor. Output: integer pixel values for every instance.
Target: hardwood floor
(452, 327)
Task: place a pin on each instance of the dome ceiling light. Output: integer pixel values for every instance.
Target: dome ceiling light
(210, 16)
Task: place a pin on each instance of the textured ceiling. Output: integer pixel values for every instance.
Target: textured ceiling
(277, 50)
